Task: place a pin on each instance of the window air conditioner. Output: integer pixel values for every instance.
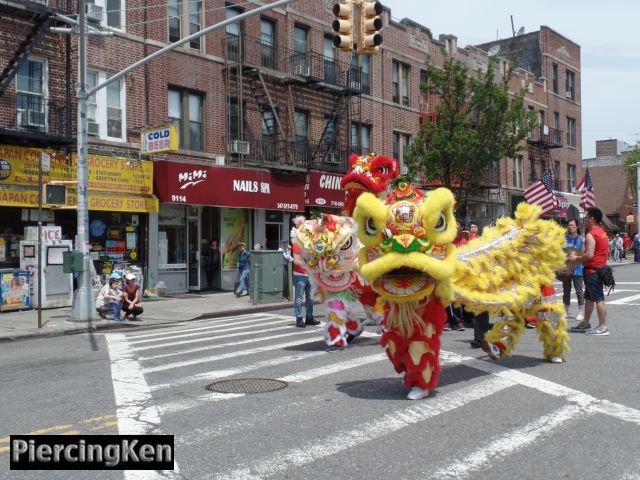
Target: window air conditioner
(219, 160)
(568, 94)
(92, 128)
(239, 147)
(303, 69)
(94, 12)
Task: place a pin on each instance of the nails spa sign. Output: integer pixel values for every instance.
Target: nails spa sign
(227, 187)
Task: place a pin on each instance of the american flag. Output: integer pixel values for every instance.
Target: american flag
(586, 188)
(541, 193)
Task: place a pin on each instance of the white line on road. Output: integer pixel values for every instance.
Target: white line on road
(624, 301)
(508, 443)
(341, 441)
(222, 345)
(217, 337)
(135, 410)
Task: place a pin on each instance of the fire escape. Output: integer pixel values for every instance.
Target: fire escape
(540, 141)
(39, 118)
(273, 99)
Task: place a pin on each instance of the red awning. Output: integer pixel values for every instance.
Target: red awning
(322, 189)
(191, 184)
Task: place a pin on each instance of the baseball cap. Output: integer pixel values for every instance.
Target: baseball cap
(242, 244)
(116, 275)
(130, 276)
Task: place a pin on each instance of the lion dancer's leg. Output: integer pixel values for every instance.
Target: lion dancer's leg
(368, 299)
(335, 328)
(354, 326)
(552, 325)
(415, 353)
(504, 335)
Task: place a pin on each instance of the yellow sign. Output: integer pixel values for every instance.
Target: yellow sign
(19, 166)
(97, 201)
(164, 139)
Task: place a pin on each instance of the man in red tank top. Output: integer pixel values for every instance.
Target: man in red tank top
(594, 257)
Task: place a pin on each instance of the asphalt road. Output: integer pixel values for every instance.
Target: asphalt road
(342, 414)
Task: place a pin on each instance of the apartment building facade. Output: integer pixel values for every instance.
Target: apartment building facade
(267, 113)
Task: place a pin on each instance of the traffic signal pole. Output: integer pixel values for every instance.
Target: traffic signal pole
(83, 304)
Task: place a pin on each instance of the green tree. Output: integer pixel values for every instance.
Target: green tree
(630, 160)
(477, 123)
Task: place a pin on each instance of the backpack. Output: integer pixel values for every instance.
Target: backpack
(605, 274)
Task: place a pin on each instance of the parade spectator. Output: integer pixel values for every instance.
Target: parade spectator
(132, 297)
(244, 268)
(109, 299)
(626, 245)
(617, 248)
(636, 248)
(594, 257)
(285, 248)
(302, 287)
(473, 231)
(212, 262)
(574, 240)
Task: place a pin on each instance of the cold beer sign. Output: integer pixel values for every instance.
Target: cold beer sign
(159, 140)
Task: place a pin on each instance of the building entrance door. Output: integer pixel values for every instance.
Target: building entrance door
(193, 242)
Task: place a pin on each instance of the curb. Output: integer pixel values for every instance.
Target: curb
(127, 326)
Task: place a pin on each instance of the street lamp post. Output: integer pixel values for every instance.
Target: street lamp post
(637, 165)
(83, 298)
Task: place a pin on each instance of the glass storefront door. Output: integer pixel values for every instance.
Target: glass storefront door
(193, 241)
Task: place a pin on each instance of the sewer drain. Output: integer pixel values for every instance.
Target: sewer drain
(247, 385)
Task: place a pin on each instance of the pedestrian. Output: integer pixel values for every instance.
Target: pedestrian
(244, 268)
(574, 275)
(473, 231)
(626, 245)
(302, 287)
(285, 248)
(636, 248)
(212, 262)
(594, 257)
(108, 295)
(132, 297)
(617, 247)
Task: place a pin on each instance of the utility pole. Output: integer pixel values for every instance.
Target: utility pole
(83, 309)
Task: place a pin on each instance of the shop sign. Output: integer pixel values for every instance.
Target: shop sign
(164, 139)
(322, 189)
(563, 206)
(228, 187)
(19, 167)
(48, 233)
(97, 201)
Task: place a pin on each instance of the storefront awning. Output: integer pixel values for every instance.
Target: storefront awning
(190, 184)
(322, 189)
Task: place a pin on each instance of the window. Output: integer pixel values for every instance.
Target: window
(329, 60)
(556, 166)
(571, 178)
(571, 85)
(400, 147)
(172, 236)
(185, 112)
(360, 72)
(424, 80)
(360, 138)
(330, 132)
(400, 83)
(517, 172)
(236, 120)
(185, 18)
(112, 12)
(234, 33)
(268, 43)
(300, 40)
(105, 108)
(268, 138)
(554, 78)
(571, 132)
(301, 120)
(31, 95)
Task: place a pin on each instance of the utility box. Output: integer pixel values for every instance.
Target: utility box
(266, 276)
(72, 261)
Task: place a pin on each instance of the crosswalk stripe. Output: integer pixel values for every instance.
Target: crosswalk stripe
(222, 345)
(508, 443)
(623, 301)
(204, 330)
(181, 405)
(217, 374)
(215, 337)
(340, 441)
(184, 325)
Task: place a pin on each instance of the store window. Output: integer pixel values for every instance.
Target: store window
(172, 236)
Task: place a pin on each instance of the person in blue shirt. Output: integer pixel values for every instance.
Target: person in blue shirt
(574, 239)
(244, 268)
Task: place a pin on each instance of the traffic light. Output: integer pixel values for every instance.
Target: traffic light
(371, 26)
(55, 195)
(343, 26)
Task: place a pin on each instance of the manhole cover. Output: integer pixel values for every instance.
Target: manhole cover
(247, 385)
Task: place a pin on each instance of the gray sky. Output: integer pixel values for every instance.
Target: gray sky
(607, 32)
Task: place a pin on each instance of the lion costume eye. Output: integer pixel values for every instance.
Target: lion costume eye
(370, 227)
(347, 244)
(441, 226)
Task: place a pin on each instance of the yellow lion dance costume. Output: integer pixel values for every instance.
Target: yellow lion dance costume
(410, 260)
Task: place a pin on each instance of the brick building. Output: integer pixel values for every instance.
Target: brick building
(268, 113)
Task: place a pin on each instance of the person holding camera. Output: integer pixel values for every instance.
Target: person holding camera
(573, 275)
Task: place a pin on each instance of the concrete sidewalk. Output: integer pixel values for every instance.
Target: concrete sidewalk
(167, 310)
